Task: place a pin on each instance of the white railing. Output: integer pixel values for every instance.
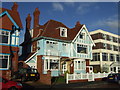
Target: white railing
(83, 76)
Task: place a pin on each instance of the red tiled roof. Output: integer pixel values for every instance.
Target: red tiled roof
(14, 14)
(51, 30)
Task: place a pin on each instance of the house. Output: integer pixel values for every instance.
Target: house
(9, 40)
(53, 48)
(106, 53)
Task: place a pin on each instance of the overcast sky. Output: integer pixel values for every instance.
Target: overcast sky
(95, 15)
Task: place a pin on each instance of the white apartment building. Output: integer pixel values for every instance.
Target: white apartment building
(106, 53)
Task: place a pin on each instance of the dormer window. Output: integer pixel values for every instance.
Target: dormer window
(63, 32)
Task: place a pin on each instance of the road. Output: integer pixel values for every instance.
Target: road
(97, 84)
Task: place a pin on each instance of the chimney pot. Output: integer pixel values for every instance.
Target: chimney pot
(15, 6)
(77, 24)
(28, 22)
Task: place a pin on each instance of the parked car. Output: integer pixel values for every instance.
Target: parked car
(9, 85)
(114, 77)
(26, 74)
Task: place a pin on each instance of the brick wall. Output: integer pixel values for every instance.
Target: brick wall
(44, 78)
(6, 49)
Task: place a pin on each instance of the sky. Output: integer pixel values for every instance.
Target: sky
(95, 15)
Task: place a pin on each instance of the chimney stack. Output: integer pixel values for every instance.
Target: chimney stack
(28, 22)
(15, 6)
(36, 17)
(77, 24)
(36, 22)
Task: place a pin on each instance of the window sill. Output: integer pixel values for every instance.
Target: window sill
(4, 69)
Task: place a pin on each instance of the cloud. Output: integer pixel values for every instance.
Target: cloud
(110, 22)
(57, 6)
(83, 8)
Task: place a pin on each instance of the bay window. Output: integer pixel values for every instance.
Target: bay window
(50, 64)
(79, 65)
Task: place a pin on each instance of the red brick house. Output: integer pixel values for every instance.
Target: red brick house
(9, 34)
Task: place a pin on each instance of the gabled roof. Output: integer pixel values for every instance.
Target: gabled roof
(14, 14)
(51, 30)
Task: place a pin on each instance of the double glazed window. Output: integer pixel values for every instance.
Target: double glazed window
(96, 57)
(117, 57)
(4, 61)
(4, 37)
(79, 65)
(81, 48)
(51, 64)
(51, 45)
(105, 56)
(112, 57)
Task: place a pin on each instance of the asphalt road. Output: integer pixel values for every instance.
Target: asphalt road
(97, 84)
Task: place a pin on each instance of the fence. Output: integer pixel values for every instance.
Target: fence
(83, 76)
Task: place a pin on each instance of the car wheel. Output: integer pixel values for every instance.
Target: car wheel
(119, 82)
(13, 88)
(23, 79)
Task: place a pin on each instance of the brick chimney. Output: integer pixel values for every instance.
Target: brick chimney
(14, 7)
(36, 22)
(36, 30)
(28, 22)
(77, 24)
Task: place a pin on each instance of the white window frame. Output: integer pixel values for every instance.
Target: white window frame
(49, 64)
(31, 32)
(84, 35)
(6, 35)
(13, 40)
(17, 40)
(7, 63)
(83, 45)
(76, 67)
(65, 31)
